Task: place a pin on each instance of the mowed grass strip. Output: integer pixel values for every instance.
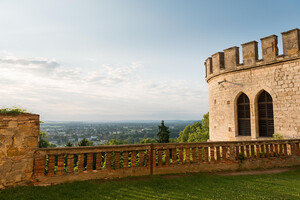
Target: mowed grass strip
(194, 186)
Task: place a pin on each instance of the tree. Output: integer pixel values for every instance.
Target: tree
(163, 133)
(147, 141)
(85, 142)
(197, 132)
(116, 142)
(43, 143)
(69, 144)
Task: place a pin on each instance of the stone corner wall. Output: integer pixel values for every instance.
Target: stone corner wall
(19, 136)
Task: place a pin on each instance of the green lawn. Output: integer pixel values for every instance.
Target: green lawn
(194, 186)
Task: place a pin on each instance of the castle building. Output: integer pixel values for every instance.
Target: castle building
(259, 97)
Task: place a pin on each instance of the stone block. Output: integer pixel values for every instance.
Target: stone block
(291, 42)
(231, 57)
(208, 66)
(250, 53)
(269, 48)
(217, 62)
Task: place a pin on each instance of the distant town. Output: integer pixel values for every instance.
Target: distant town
(100, 133)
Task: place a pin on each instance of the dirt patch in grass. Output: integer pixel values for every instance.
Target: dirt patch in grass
(256, 172)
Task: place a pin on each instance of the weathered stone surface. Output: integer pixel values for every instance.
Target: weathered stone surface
(18, 141)
(231, 56)
(291, 42)
(250, 53)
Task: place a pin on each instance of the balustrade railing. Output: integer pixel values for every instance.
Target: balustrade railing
(149, 158)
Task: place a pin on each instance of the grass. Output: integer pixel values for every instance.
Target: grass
(194, 186)
(13, 110)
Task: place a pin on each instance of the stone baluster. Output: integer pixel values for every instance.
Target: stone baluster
(70, 165)
(267, 150)
(154, 158)
(159, 157)
(224, 152)
(212, 154)
(285, 149)
(80, 162)
(180, 155)
(206, 154)
(174, 157)
(99, 161)
(117, 160)
(51, 165)
(280, 150)
(272, 150)
(194, 155)
(263, 150)
(167, 152)
(125, 159)
(237, 152)
(252, 151)
(89, 162)
(133, 158)
(187, 155)
(257, 151)
(141, 158)
(39, 165)
(243, 151)
(108, 160)
(276, 149)
(60, 164)
(248, 150)
(218, 153)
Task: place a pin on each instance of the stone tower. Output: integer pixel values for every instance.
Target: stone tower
(259, 97)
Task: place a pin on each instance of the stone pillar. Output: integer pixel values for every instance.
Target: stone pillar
(208, 66)
(18, 141)
(232, 57)
(269, 48)
(250, 53)
(291, 42)
(218, 62)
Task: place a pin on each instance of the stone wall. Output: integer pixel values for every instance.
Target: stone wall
(279, 75)
(18, 142)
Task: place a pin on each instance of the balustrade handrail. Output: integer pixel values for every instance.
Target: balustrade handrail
(158, 145)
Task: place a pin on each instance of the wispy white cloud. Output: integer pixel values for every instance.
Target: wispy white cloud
(109, 93)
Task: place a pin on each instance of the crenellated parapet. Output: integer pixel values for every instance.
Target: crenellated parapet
(229, 60)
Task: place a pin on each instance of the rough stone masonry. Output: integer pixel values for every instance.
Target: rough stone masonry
(18, 142)
(277, 75)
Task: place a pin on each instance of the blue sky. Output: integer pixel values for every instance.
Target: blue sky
(125, 59)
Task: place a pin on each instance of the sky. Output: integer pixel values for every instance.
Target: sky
(111, 60)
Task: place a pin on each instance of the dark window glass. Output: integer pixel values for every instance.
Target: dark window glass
(265, 115)
(243, 106)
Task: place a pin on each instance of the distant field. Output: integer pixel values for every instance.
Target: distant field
(193, 186)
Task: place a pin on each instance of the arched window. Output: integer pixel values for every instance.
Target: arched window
(243, 107)
(265, 115)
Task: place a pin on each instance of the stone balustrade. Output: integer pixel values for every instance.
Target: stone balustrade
(57, 165)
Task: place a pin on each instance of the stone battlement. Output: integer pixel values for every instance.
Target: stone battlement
(229, 61)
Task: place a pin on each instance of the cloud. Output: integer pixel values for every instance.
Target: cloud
(112, 92)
